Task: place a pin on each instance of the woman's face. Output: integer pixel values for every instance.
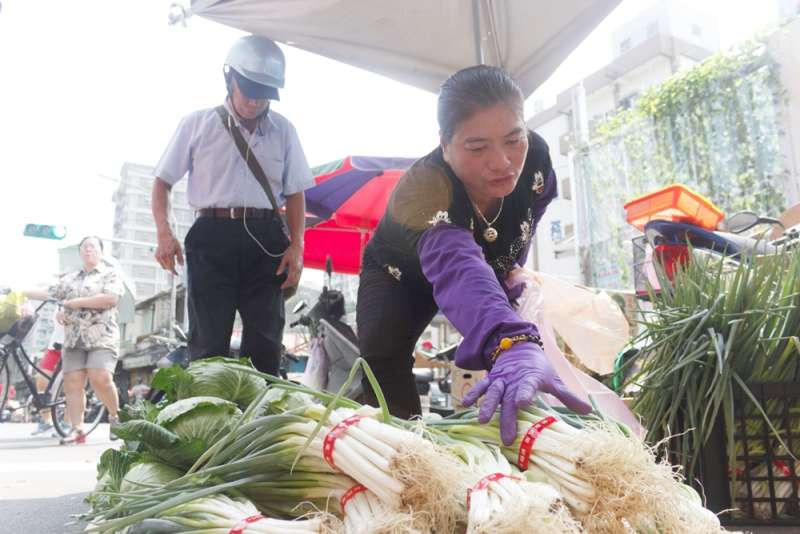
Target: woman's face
(247, 108)
(487, 152)
(91, 253)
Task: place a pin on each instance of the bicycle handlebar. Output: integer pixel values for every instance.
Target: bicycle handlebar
(48, 301)
(164, 340)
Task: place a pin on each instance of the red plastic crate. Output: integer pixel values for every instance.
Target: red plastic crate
(675, 203)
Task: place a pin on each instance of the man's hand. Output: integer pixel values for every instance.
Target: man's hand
(61, 317)
(292, 264)
(169, 249)
(71, 304)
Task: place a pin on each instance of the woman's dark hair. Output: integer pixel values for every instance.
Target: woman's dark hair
(92, 237)
(471, 90)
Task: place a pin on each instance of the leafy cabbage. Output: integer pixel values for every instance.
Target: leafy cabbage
(183, 430)
(225, 378)
(144, 475)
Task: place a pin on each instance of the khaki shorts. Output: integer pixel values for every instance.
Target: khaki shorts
(79, 359)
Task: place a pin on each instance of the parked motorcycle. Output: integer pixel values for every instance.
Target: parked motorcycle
(178, 350)
(730, 243)
(333, 346)
(678, 223)
(334, 351)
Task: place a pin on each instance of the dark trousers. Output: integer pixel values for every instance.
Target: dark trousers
(228, 271)
(390, 320)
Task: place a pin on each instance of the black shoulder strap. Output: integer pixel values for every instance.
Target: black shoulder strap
(252, 162)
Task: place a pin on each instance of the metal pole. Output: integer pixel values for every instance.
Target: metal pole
(476, 30)
(173, 303)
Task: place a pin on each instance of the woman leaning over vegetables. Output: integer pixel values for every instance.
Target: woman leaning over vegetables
(459, 221)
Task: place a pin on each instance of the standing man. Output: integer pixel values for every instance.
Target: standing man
(238, 254)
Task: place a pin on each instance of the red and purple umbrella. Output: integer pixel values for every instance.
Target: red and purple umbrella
(350, 197)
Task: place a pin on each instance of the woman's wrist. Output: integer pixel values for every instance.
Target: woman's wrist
(508, 342)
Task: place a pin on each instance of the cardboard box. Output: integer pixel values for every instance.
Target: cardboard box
(422, 361)
(462, 380)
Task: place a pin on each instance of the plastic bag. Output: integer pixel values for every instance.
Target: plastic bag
(532, 306)
(10, 309)
(591, 323)
(316, 373)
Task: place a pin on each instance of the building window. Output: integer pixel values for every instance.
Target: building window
(144, 271)
(143, 201)
(184, 216)
(565, 188)
(144, 219)
(142, 253)
(144, 290)
(697, 31)
(652, 30)
(625, 45)
(556, 234)
(147, 237)
(182, 230)
(628, 101)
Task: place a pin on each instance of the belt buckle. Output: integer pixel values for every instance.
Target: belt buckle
(232, 213)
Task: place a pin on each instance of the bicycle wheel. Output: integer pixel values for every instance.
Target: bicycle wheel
(92, 415)
(5, 385)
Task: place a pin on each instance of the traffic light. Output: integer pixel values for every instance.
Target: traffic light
(45, 231)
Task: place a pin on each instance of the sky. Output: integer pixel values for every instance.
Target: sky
(90, 84)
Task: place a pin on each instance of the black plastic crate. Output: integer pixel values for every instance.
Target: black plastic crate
(762, 487)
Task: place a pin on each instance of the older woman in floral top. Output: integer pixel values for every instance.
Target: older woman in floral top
(91, 334)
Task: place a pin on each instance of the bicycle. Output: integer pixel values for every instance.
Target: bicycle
(52, 398)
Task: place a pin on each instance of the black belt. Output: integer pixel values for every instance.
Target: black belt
(236, 213)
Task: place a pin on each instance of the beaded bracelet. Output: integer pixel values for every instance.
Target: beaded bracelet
(508, 342)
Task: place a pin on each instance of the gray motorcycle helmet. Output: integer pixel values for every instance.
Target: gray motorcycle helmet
(259, 67)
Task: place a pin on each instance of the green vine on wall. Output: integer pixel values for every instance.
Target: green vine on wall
(714, 127)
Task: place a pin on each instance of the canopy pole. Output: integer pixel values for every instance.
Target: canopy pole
(484, 28)
(476, 30)
(498, 61)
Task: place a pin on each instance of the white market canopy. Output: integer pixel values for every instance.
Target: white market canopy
(421, 42)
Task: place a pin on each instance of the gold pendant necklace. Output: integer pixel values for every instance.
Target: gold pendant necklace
(490, 234)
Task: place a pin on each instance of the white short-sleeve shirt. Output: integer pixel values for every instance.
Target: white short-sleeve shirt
(219, 177)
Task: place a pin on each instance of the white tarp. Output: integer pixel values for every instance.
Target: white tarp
(421, 42)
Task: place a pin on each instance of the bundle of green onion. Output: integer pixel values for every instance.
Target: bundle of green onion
(609, 479)
(508, 504)
(325, 464)
(365, 513)
(220, 514)
(713, 332)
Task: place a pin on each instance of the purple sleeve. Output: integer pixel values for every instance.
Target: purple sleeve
(468, 293)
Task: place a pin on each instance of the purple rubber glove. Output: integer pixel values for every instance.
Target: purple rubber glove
(517, 375)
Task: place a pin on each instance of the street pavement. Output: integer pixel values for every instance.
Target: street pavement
(42, 483)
